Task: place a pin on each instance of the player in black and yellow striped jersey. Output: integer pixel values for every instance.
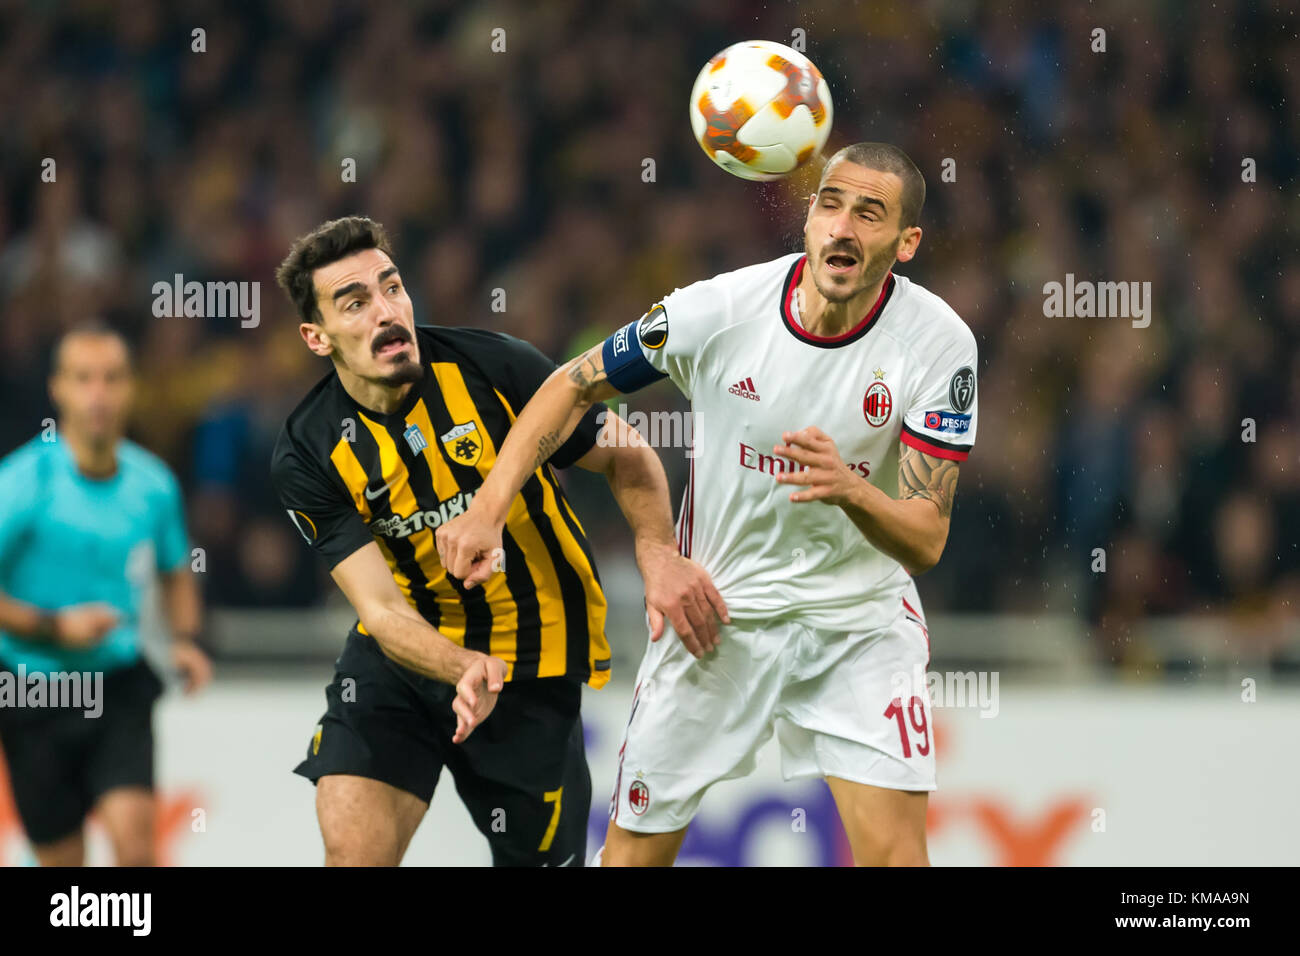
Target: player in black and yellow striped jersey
(406, 472)
(391, 444)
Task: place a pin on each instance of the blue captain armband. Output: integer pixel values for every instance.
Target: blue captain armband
(626, 367)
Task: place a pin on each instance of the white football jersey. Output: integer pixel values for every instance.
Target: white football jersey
(734, 346)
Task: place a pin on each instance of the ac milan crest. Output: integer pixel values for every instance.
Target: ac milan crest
(877, 404)
(638, 797)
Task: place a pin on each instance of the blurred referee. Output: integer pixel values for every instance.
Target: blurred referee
(89, 523)
(388, 446)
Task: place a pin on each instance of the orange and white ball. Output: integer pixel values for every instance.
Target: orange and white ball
(760, 110)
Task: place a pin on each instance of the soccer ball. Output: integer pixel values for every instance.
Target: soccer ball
(760, 110)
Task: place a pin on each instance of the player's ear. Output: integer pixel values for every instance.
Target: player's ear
(908, 241)
(317, 338)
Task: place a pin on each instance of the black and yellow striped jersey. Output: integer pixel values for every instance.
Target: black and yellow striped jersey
(348, 476)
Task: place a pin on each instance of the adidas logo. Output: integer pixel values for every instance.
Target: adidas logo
(745, 389)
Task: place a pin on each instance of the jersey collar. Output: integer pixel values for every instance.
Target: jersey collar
(413, 394)
(68, 462)
(829, 341)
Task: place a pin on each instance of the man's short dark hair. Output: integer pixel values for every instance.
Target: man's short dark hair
(889, 159)
(95, 328)
(328, 242)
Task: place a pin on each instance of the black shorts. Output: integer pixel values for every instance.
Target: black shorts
(522, 773)
(62, 761)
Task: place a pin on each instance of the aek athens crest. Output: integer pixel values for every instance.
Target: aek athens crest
(463, 444)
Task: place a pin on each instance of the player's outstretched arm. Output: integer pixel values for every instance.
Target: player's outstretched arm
(911, 529)
(367, 582)
(466, 544)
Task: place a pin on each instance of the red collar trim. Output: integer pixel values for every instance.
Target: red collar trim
(829, 341)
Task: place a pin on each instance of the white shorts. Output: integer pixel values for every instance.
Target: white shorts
(848, 705)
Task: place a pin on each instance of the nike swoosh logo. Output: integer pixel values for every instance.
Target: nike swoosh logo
(567, 861)
(372, 495)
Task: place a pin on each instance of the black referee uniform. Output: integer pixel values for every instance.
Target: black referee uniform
(348, 476)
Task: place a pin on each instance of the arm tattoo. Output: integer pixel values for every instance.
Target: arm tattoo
(925, 476)
(547, 445)
(586, 374)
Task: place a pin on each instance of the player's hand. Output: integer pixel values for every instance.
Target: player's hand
(469, 547)
(193, 665)
(84, 625)
(681, 590)
(827, 478)
(476, 694)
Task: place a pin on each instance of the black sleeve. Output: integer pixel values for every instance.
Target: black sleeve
(320, 510)
(518, 369)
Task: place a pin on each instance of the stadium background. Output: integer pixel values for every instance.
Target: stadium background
(523, 170)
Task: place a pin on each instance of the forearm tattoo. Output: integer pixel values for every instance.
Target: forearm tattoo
(925, 476)
(547, 445)
(586, 374)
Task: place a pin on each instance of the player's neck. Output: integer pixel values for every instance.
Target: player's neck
(385, 399)
(94, 459)
(820, 316)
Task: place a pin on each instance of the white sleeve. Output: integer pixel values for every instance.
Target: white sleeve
(667, 340)
(942, 413)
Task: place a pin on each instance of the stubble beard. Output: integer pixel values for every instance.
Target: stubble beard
(877, 267)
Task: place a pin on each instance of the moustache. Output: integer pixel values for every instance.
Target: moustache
(841, 250)
(393, 333)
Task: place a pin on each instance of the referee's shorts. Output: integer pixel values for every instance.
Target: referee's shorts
(61, 761)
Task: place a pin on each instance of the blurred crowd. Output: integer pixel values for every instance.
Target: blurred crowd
(1175, 448)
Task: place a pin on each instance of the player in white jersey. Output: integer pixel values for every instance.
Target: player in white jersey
(833, 402)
